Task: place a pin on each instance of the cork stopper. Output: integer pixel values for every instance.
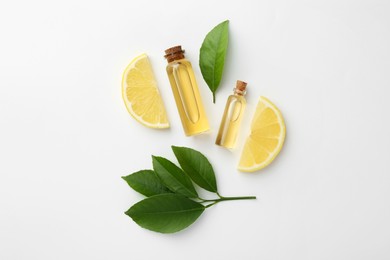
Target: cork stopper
(174, 53)
(240, 88)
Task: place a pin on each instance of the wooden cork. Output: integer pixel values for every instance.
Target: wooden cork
(240, 87)
(174, 53)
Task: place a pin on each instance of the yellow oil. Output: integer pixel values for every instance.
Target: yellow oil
(230, 124)
(187, 97)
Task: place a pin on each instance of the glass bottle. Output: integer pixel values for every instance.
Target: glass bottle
(186, 92)
(232, 116)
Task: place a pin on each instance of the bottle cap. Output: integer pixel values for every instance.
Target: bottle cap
(240, 87)
(174, 53)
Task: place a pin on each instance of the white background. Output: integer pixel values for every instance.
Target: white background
(66, 137)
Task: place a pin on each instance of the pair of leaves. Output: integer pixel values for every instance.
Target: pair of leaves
(169, 177)
(173, 177)
(212, 55)
(169, 188)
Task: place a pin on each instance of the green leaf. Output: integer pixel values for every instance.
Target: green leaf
(173, 177)
(197, 167)
(146, 182)
(165, 213)
(212, 55)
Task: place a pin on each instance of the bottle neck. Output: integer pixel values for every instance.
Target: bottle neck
(239, 92)
(175, 57)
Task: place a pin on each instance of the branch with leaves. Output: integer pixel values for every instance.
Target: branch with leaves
(172, 202)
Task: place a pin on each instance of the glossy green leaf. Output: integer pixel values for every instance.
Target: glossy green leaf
(165, 213)
(146, 182)
(197, 167)
(173, 177)
(212, 55)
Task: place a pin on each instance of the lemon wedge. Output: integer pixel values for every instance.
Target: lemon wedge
(141, 95)
(266, 139)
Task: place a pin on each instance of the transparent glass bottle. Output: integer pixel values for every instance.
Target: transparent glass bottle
(232, 116)
(186, 92)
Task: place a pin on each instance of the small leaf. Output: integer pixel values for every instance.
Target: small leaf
(165, 213)
(197, 167)
(173, 177)
(212, 55)
(146, 182)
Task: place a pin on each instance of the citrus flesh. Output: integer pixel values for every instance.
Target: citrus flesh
(141, 95)
(266, 138)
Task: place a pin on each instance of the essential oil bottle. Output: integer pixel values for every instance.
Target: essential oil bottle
(232, 116)
(186, 92)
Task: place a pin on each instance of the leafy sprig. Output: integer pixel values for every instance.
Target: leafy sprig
(172, 202)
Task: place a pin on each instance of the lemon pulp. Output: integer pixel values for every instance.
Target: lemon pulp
(266, 139)
(141, 95)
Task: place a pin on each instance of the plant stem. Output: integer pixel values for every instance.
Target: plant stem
(230, 198)
(237, 198)
(211, 204)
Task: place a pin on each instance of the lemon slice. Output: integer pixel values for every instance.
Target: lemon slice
(141, 95)
(266, 139)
